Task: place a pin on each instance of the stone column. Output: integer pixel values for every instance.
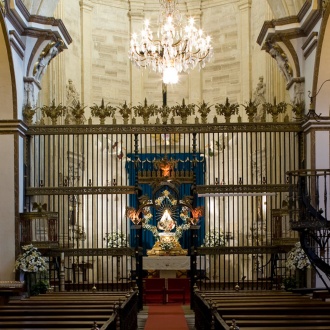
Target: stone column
(86, 8)
(244, 7)
(136, 18)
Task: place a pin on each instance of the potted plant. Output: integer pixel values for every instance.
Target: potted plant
(40, 287)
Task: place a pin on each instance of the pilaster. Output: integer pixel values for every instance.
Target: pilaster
(244, 7)
(195, 76)
(86, 9)
(136, 18)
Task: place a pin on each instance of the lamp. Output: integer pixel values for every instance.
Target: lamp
(175, 49)
(311, 112)
(196, 214)
(133, 215)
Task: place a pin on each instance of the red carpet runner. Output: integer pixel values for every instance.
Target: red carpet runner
(166, 317)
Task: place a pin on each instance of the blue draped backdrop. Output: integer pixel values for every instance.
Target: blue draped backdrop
(184, 164)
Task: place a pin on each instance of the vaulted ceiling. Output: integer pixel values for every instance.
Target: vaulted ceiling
(280, 8)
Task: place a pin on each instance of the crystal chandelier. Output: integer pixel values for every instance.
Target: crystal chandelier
(175, 49)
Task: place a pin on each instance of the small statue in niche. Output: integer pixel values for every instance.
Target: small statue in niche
(72, 96)
(298, 96)
(259, 99)
(29, 94)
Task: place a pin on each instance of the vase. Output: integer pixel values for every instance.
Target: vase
(30, 281)
(301, 277)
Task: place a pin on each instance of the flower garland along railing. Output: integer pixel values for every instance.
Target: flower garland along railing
(214, 238)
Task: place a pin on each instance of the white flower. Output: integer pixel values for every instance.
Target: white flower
(214, 238)
(297, 258)
(167, 245)
(116, 240)
(31, 260)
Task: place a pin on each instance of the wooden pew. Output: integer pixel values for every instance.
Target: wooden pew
(9, 289)
(262, 310)
(74, 311)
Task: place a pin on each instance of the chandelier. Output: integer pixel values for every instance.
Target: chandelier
(175, 49)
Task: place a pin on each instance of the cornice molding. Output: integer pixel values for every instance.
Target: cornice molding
(13, 127)
(16, 43)
(49, 33)
(304, 25)
(310, 44)
(322, 124)
(20, 18)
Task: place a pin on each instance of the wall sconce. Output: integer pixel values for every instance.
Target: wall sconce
(196, 214)
(133, 215)
(311, 112)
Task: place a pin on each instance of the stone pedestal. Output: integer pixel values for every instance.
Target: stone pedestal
(167, 265)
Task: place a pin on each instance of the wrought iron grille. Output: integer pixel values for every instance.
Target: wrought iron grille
(80, 172)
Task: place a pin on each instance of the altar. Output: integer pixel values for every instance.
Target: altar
(167, 265)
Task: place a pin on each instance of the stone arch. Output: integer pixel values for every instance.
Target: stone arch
(41, 7)
(8, 109)
(285, 8)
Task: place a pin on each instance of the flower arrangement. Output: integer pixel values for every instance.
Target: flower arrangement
(214, 238)
(116, 239)
(167, 245)
(31, 260)
(297, 258)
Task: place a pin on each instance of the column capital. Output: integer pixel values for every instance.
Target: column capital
(86, 5)
(244, 4)
(194, 7)
(136, 9)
